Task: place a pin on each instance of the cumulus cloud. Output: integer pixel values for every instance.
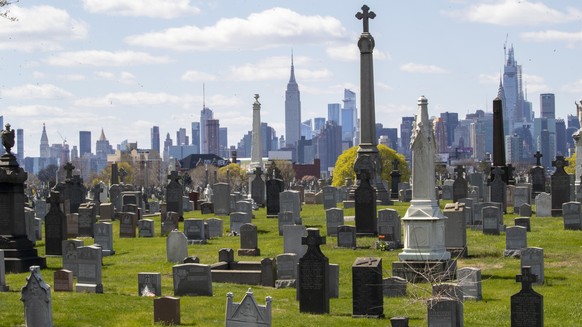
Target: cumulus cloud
(278, 67)
(38, 91)
(553, 35)
(350, 52)
(197, 76)
(146, 8)
(421, 68)
(575, 87)
(122, 77)
(32, 111)
(155, 99)
(39, 28)
(285, 27)
(512, 12)
(104, 58)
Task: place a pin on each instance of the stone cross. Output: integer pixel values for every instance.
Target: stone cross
(54, 199)
(526, 278)
(69, 168)
(560, 162)
(97, 189)
(538, 157)
(174, 176)
(497, 172)
(313, 240)
(364, 16)
(460, 170)
(395, 164)
(122, 174)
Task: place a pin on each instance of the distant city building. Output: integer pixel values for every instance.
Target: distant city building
(405, 134)
(561, 144)
(306, 129)
(515, 109)
(243, 148)
(205, 115)
(318, 123)
(328, 145)
(74, 153)
(223, 142)
(305, 151)
(2, 151)
(20, 145)
(440, 134)
(181, 137)
(451, 120)
(547, 105)
(102, 149)
(196, 135)
(292, 110)
(155, 139)
(513, 149)
(545, 139)
(45, 151)
(349, 117)
(390, 136)
(333, 112)
(213, 136)
(167, 144)
(84, 142)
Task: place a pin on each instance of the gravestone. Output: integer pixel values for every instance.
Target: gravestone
(3, 286)
(470, 210)
(154, 206)
(515, 240)
(248, 312)
(226, 255)
(149, 284)
(524, 222)
(334, 217)
(329, 197)
(455, 229)
(509, 196)
(394, 179)
(214, 227)
(285, 218)
(460, 185)
(176, 246)
(525, 210)
(389, 226)
(36, 296)
(40, 208)
(469, 279)
(543, 205)
(313, 282)
(274, 188)
(169, 222)
(194, 231)
(572, 215)
(367, 288)
(237, 219)
(70, 255)
(443, 311)
(55, 226)
(115, 197)
(104, 237)
(174, 191)
(447, 192)
(146, 228)
(63, 280)
(291, 201)
(167, 310)
(192, 279)
(106, 211)
(86, 220)
(249, 241)
(286, 270)
(292, 239)
(346, 237)
(521, 196)
(333, 273)
(365, 207)
(244, 206)
(491, 220)
(191, 260)
(30, 224)
(476, 179)
(527, 306)
(394, 286)
(221, 199)
(447, 290)
(206, 208)
(127, 224)
(258, 188)
(534, 258)
(560, 185)
(89, 261)
(498, 189)
(537, 176)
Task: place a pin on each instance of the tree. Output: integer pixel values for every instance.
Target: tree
(48, 174)
(344, 166)
(237, 176)
(105, 174)
(282, 169)
(571, 168)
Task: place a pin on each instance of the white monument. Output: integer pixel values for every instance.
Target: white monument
(578, 138)
(257, 144)
(424, 222)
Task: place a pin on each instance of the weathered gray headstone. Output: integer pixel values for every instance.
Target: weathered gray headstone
(169, 222)
(524, 222)
(543, 205)
(221, 199)
(89, 261)
(237, 219)
(491, 220)
(292, 236)
(394, 286)
(469, 279)
(291, 201)
(104, 237)
(455, 229)
(525, 210)
(534, 257)
(334, 217)
(70, 254)
(284, 218)
(249, 241)
(520, 197)
(329, 197)
(149, 284)
(72, 225)
(346, 236)
(515, 240)
(286, 270)
(194, 231)
(176, 246)
(192, 279)
(146, 228)
(572, 215)
(443, 311)
(86, 220)
(215, 227)
(248, 312)
(63, 281)
(389, 226)
(36, 296)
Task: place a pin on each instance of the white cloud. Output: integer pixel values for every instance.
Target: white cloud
(277, 68)
(285, 28)
(148, 99)
(148, 8)
(72, 77)
(197, 76)
(38, 91)
(350, 52)
(575, 87)
(489, 78)
(553, 35)
(104, 58)
(512, 12)
(421, 68)
(32, 111)
(122, 77)
(384, 86)
(39, 28)
(535, 84)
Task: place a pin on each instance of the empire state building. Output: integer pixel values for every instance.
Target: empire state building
(292, 111)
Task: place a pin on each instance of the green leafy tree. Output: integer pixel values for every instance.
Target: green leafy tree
(571, 168)
(344, 166)
(236, 173)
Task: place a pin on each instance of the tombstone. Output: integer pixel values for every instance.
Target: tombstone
(291, 201)
(469, 210)
(221, 199)
(127, 224)
(492, 218)
(334, 217)
(146, 228)
(86, 220)
(36, 296)
(70, 255)
(367, 288)
(329, 197)
(40, 208)
(237, 219)
(214, 227)
(286, 270)
(186, 205)
(176, 246)
(149, 284)
(476, 179)
(460, 185)
(226, 255)
(572, 215)
(194, 231)
(104, 237)
(169, 222)
(63, 280)
(30, 224)
(174, 191)
(248, 312)
(55, 226)
(455, 229)
(192, 279)
(399, 321)
(560, 186)
(284, 218)
(524, 222)
(520, 197)
(244, 206)
(333, 273)
(312, 281)
(447, 290)
(509, 195)
(167, 310)
(274, 187)
(534, 258)
(115, 197)
(3, 286)
(390, 227)
(132, 208)
(394, 286)
(89, 260)
(365, 207)
(206, 208)
(106, 211)
(515, 240)
(497, 188)
(527, 306)
(394, 179)
(346, 236)
(469, 279)
(537, 176)
(292, 236)
(443, 311)
(155, 206)
(543, 205)
(249, 241)
(309, 198)
(258, 188)
(447, 192)
(525, 210)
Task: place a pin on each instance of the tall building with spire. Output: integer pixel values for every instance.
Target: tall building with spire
(514, 104)
(205, 115)
(292, 110)
(45, 148)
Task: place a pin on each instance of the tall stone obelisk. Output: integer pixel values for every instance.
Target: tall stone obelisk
(577, 136)
(256, 182)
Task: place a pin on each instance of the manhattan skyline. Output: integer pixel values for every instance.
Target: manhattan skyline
(125, 67)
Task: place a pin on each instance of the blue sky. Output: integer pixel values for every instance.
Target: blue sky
(125, 66)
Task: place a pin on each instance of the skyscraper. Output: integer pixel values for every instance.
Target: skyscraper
(181, 138)
(45, 149)
(155, 136)
(513, 101)
(292, 110)
(451, 120)
(349, 117)
(84, 143)
(547, 105)
(333, 112)
(167, 145)
(205, 115)
(223, 142)
(20, 145)
(213, 136)
(196, 135)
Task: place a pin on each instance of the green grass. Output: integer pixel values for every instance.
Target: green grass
(120, 305)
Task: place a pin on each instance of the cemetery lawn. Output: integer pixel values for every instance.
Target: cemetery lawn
(120, 304)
